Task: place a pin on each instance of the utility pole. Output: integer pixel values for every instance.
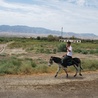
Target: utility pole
(61, 32)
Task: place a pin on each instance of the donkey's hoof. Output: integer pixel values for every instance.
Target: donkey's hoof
(80, 74)
(75, 75)
(55, 76)
(66, 76)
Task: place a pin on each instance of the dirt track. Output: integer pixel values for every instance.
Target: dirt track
(46, 86)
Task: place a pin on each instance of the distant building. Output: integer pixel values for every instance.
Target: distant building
(70, 40)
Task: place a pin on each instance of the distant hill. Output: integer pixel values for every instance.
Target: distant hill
(25, 31)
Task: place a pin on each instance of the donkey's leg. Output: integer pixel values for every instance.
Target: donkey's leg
(76, 70)
(57, 71)
(80, 69)
(66, 72)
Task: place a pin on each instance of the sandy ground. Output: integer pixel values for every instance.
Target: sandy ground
(46, 86)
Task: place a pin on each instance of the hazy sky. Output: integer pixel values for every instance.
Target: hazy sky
(79, 16)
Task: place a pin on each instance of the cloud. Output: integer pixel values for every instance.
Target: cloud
(81, 2)
(52, 14)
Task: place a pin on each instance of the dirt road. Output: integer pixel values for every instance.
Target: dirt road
(46, 86)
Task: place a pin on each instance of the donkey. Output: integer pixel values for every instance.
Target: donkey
(76, 62)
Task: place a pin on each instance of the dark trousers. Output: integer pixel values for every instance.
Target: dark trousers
(66, 59)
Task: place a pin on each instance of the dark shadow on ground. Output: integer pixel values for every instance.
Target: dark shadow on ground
(71, 77)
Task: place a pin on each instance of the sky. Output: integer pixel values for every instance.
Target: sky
(79, 16)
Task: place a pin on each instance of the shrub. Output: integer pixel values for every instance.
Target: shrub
(90, 64)
(30, 49)
(54, 51)
(10, 65)
(84, 51)
(47, 51)
(40, 50)
(78, 50)
(91, 51)
(14, 65)
(42, 69)
(33, 64)
(62, 47)
(50, 38)
(38, 38)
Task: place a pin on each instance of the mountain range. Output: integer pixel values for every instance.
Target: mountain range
(25, 31)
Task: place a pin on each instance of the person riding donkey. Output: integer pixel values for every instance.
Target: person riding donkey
(67, 58)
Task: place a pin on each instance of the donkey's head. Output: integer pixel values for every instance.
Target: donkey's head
(50, 61)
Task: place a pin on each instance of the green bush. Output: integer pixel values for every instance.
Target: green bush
(90, 64)
(14, 65)
(54, 51)
(33, 64)
(62, 47)
(50, 38)
(91, 52)
(84, 51)
(41, 50)
(47, 51)
(78, 50)
(42, 69)
(10, 65)
(30, 49)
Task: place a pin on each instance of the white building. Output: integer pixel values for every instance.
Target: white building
(70, 40)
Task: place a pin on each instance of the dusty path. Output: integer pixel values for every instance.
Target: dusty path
(46, 86)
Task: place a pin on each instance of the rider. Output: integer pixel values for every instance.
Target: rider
(67, 57)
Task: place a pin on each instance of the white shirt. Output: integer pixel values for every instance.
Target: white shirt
(69, 53)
